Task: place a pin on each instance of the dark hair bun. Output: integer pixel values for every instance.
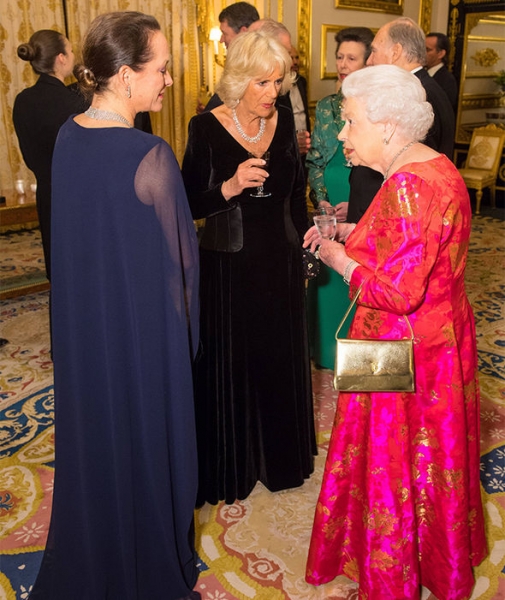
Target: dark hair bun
(26, 52)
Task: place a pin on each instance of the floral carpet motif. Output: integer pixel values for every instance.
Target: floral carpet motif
(255, 549)
(21, 259)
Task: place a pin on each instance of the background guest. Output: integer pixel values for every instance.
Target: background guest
(402, 43)
(252, 381)
(40, 111)
(298, 100)
(125, 327)
(401, 489)
(329, 182)
(437, 53)
(233, 19)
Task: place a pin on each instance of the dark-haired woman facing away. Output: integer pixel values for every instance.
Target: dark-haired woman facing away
(125, 327)
(39, 112)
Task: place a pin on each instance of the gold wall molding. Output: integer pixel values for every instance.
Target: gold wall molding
(390, 6)
(425, 12)
(305, 35)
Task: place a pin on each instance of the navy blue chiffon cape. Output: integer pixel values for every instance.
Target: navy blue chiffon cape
(125, 329)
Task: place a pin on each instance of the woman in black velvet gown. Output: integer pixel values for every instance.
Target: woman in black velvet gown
(252, 382)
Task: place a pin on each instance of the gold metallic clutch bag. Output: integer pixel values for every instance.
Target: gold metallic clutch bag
(373, 365)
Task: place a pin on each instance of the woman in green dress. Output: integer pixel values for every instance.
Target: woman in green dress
(329, 186)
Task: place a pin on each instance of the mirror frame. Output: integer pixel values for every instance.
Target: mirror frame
(477, 101)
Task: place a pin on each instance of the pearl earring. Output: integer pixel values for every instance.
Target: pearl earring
(129, 91)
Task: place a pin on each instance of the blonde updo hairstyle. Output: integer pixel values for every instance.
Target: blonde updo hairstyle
(253, 55)
(392, 95)
(113, 40)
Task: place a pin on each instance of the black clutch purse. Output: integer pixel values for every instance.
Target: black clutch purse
(311, 265)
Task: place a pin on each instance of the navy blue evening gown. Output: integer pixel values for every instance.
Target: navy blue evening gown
(125, 328)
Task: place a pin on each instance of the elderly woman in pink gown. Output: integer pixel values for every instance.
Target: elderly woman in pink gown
(400, 504)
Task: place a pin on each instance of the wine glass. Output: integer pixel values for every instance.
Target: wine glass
(260, 193)
(326, 225)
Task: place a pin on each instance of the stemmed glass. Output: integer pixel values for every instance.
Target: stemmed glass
(260, 193)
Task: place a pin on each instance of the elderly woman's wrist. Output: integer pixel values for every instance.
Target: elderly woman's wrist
(349, 270)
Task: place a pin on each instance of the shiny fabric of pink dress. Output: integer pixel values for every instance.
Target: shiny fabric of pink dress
(400, 503)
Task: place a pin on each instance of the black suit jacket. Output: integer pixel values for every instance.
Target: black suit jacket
(441, 134)
(38, 114)
(447, 82)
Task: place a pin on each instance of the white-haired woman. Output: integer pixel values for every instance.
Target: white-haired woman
(252, 382)
(400, 501)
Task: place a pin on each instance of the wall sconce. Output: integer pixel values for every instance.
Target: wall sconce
(215, 37)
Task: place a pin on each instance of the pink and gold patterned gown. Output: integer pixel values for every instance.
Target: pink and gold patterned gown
(400, 503)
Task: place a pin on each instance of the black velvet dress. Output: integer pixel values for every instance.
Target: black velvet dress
(252, 383)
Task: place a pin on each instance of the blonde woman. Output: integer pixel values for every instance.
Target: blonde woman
(252, 382)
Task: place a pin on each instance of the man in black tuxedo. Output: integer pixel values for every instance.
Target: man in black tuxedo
(402, 43)
(437, 51)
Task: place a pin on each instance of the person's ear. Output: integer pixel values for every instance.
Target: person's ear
(124, 77)
(396, 53)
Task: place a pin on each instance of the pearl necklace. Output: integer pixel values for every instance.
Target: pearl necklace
(243, 134)
(386, 174)
(106, 115)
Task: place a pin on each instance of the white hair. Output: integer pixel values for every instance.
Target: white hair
(392, 95)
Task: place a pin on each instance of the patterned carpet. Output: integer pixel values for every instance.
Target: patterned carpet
(255, 549)
(21, 260)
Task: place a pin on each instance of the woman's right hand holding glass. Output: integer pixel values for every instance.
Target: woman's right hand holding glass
(249, 174)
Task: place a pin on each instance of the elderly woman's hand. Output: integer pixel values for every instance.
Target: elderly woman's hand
(249, 174)
(333, 254)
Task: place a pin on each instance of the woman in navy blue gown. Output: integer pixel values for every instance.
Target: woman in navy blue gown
(125, 318)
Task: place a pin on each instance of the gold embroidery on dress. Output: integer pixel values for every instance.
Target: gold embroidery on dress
(341, 467)
(425, 437)
(380, 520)
(351, 569)
(444, 480)
(382, 560)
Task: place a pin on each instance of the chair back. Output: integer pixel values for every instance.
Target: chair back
(486, 145)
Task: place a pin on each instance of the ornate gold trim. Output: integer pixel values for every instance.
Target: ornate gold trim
(325, 29)
(425, 10)
(479, 101)
(305, 35)
(395, 7)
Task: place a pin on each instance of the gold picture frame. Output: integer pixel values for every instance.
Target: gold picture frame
(394, 7)
(328, 46)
